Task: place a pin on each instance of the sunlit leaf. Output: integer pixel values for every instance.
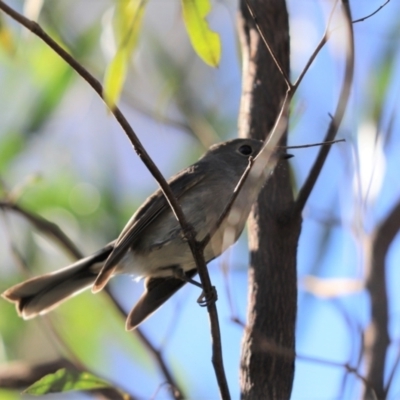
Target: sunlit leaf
(128, 21)
(205, 42)
(115, 77)
(65, 381)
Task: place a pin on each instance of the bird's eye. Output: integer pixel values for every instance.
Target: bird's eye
(246, 150)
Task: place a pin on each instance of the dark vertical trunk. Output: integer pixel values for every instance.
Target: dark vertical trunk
(267, 364)
(377, 338)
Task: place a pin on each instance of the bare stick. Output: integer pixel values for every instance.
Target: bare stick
(320, 45)
(333, 128)
(306, 189)
(175, 390)
(43, 225)
(267, 345)
(277, 132)
(187, 229)
(271, 52)
(377, 333)
(56, 234)
(305, 146)
(370, 15)
(35, 28)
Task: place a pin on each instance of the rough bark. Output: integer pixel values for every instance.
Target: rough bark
(377, 339)
(267, 363)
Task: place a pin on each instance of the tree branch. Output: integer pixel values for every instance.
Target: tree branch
(320, 45)
(54, 233)
(52, 230)
(187, 229)
(377, 334)
(285, 76)
(306, 189)
(273, 237)
(373, 13)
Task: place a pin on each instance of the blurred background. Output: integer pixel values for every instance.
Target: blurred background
(64, 157)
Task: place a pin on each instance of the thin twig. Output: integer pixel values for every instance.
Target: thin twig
(35, 28)
(187, 229)
(305, 146)
(271, 52)
(376, 285)
(275, 136)
(56, 234)
(25, 375)
(228, 206)
(175, 389)
(343, 99)
(43, 225)
(370, 15)
(320, 45)
(271, 347)
(306, 189)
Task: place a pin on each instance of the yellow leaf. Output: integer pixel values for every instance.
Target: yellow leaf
(127, 23)
(205, 42)
(115, 78)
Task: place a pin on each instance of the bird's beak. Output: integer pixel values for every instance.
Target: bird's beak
(284, 156)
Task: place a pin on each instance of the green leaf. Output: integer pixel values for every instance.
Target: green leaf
(65, 381)
(205, 42)
(115, 77)
(127, 23)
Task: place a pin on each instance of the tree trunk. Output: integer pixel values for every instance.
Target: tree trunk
(267, 362)
(377, 337)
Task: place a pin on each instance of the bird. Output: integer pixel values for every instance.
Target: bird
(152, 246)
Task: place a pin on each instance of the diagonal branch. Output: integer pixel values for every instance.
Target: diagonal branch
(305, 191)
(377, 334)
(51, 229)
(175, 389)
(188, 230)
(372, 14)
(53, 232)
(269, 48)
(270, 144)
(320, 45)
(343, 99)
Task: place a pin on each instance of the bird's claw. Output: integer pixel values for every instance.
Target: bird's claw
(205, 300)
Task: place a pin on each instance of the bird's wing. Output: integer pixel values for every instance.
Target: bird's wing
(158, 291)
(150, 210)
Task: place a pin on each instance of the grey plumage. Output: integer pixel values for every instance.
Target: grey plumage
(151, 246)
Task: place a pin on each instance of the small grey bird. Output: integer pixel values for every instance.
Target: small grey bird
(152, 245)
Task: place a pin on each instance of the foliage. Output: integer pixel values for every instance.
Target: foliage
(53, 126)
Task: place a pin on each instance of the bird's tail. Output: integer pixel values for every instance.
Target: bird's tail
(43, 293)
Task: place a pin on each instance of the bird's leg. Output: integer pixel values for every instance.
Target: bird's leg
(179, 273)
(203, 299)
